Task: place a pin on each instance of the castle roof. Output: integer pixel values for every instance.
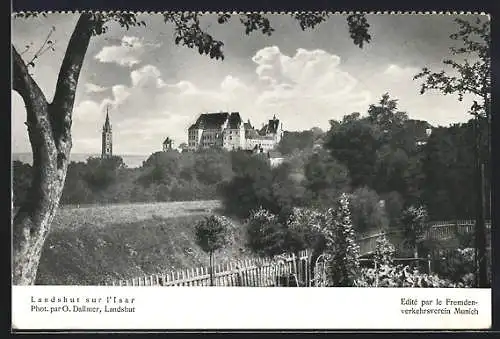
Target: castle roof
(235, 120)
(210, 120)
(248, 125)
(251, 134)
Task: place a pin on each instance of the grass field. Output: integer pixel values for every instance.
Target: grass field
(91, 245)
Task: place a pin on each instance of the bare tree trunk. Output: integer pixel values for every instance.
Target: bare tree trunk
(49, 130)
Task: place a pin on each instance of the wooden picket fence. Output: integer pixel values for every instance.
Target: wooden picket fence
(438, 230)
(257, 272)
(446, 229)
(289, 270)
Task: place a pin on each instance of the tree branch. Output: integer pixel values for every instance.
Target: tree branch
(61, 108)
(37, 119)
(23, 83)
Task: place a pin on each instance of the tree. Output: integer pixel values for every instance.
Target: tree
(297, 141)
(250, 187)
(386, 116)
(325, 178)
(354, 142)
(76, 189)
(101, 173)
(266, 235)
(342, 252)
(470, 76)
(414, 220)
(49, 124)
(306, 227)
(367, 212)
(213, 233)
(448, 159)
(212, 168)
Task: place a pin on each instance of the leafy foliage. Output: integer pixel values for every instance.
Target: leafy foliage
(458, 265)
(472, 74)
(354, 142)
(189, 33)
(358, 29)
(101, 173)
(400, 276)
(415, 219)
(213, 233)
(384, 252)
(368, 214)
(266, 235)
(294, 141)
(386, 273)
(342, 252)
(325, 178)
(307, 226)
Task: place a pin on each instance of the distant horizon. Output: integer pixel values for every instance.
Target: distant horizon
(131, 160)
(148, 153)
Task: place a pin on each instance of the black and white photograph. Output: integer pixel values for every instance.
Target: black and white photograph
(301, 149)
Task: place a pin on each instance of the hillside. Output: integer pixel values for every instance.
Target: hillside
(86, 248)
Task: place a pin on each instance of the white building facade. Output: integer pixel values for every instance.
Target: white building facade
(227, 130)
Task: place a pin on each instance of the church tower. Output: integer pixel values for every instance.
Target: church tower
(107, 139)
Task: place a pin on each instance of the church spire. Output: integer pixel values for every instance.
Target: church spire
(107, 138)
(107, 125)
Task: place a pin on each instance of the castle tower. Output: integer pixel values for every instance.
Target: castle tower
(167, 144)
(107, 139)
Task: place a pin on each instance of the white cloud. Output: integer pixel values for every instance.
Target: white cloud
(309, 82)
(143, 112)
(127, 53)
(304, 90)
(93, 88)
(433, 107)
(398, 72)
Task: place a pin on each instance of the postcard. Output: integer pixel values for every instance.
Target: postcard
(180, 170)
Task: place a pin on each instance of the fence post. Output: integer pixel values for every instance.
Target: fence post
(239, 280)
(295, 266)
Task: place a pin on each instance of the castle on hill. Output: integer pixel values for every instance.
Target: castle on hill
(228, 131)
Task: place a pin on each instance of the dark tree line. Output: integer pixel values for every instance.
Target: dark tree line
(380, 156)
(387, 161)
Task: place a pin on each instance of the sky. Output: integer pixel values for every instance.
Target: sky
(154, 89)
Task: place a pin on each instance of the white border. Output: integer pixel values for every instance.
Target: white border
(164, 308)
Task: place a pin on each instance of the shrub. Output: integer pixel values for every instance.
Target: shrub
(342, 252)
(386, 274)
(458, 265)
(384, 252)
(399, 276)
(414, 220)
(367, 212)
(266, 236)
(306, 226)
